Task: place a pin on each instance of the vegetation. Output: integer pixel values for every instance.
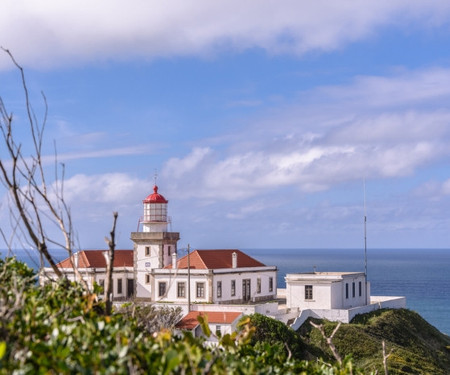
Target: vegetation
(416, 347)
(59, 328)
(412, 346)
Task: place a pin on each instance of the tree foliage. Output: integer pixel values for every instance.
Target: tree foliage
(60, 328)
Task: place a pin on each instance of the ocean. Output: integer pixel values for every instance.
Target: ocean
(421, 275)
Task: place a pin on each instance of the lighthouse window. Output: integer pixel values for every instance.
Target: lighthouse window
(309, 292)
(147, 278)
(162, 289)
(200, 290)
(147, 250)
(169, 250)
(233, 287)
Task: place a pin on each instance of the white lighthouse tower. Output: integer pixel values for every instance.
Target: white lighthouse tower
(154, 245)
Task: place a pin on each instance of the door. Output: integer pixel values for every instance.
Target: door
(130, 288)
(246, 289)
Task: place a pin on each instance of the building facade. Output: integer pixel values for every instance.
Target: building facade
(214, 276)
(327, 290)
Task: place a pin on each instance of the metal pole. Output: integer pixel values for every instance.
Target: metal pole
(189, 279)
(365, 241)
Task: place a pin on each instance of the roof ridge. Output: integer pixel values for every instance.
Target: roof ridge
(201, 259)
(86, 259)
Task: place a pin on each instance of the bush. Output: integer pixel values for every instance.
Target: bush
(59, 328)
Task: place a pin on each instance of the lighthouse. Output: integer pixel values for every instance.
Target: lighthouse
(154, 245)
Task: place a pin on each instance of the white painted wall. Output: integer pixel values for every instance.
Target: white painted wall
(238, 277)
(91, 275)
(329, 290)
(210, 279)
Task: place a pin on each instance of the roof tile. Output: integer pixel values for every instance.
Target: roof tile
(216, 259)
(215, 317)
(96, 259)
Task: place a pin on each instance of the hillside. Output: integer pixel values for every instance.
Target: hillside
(417, 347)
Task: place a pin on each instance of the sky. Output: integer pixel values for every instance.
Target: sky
(267, 124)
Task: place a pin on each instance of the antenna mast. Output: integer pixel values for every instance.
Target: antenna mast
(365, 231)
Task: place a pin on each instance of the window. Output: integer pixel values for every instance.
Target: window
(309, 292)
(101, 282)
(219, 289)
(169, 250)
(270, 284)
(119, 286)
(346, 290)
(360, 289)
(181, 290)
(147, 278)
(258, 285)
(233, 287)
(200, 290)
(147, 251)
(218, 331)
(353, 290)
(162, 289)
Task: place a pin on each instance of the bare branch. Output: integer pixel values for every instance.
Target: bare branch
(329, 340)
(109, 257)
(385, 357)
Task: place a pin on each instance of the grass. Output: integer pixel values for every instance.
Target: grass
(417, 347)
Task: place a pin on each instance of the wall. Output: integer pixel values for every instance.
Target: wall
(328, 290)
(238, 277)
(210, 279)
(346, 315)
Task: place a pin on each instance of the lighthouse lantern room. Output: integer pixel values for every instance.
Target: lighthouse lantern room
(155, 212)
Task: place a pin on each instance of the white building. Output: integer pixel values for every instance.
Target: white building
(91, 265)
(326, 290)
(151, 271)
(336, 296)
(211, 279)
(214, 276)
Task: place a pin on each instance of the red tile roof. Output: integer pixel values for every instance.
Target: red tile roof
(96, 259)
(215, 317)
(216, 259)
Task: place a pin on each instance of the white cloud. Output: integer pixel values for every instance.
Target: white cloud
(49, 33)
(312, 148)
(110, 188)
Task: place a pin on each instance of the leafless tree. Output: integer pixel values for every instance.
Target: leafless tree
(109, 257)
(34, 203)
(329, 340)
(385, 357)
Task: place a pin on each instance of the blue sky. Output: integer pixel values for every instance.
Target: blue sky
(262, 118)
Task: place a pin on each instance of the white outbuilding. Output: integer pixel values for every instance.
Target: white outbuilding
(326, 290)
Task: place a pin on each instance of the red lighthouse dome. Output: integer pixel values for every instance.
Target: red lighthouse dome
(155, 197)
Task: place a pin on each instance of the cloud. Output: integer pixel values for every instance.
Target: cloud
(48, 33)
(111, 188)
(331, 139)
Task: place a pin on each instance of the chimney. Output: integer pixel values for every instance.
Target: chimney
(234, 260)
(75, 260)
(174, 260)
